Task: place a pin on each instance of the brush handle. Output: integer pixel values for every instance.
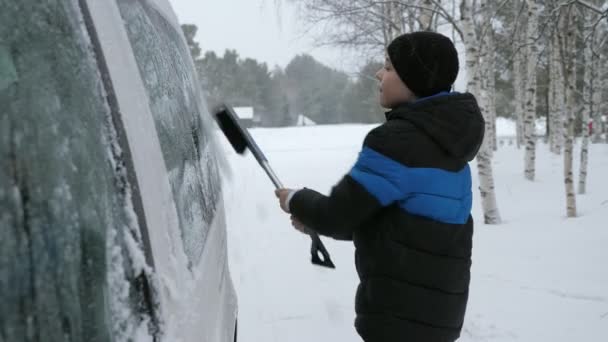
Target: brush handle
(273, 177)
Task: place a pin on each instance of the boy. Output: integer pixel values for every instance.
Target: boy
(406, 203)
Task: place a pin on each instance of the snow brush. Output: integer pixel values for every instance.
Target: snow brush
(239, 138)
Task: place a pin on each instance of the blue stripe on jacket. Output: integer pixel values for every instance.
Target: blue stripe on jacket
(441, 195)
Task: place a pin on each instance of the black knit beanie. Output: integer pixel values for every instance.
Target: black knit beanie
(427, 62)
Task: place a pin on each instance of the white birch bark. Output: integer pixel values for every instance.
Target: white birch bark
(393, 21)
(603, 126)
(425, 17)
(484, 157)
(530, 95)
(596, 99)
(489, 65)
(556, 98)
(551, 97)
(568, 31)
(518, 75)
(398, 19)
(600, 84)
(602, 95)
(387, 27)
(411, 19)
(587, 111)
(453, 16)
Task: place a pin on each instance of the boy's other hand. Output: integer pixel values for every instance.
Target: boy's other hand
(299, 225)
(282, 195)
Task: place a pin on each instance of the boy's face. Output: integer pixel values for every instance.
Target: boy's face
(393, 91)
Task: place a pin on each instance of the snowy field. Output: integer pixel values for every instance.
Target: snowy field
(537, 277)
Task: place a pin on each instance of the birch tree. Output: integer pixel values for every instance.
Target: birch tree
(394, 22)
(590, 87)
(426, 16)
(519, 32)
(600, 81)
(484, 156)
(603, 87)
(490, 66)
(530, 95)
(567, 37)
(556, 96)
(363, 26)
(587, 105)
(601, 94)
(596, 96)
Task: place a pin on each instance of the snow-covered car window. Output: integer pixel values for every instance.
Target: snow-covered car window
(62, 201)
(164, 63)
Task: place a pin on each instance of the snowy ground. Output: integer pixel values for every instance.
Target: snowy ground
(537, 277)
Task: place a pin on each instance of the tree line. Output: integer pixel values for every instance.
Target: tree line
(279, 96)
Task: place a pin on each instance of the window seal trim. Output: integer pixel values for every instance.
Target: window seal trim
(121, 133)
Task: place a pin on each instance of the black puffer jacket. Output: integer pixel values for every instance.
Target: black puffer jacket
(406, 205)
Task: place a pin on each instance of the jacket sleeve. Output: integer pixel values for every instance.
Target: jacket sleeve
(336, 215)
(371, 185)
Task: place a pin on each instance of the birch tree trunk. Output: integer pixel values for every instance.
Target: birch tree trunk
(425, 17)
(490, 82)
(530, 106)
(604, 93)
(569, 60)
(388, 25)
(411, 19)
(603, 90)
(587, 110)
(600, 86)
(556, 98)
(551, 98)
(453, 16)
(518, 75)
(398, 19)
(484, 157)
(596, 99)
(393, 21)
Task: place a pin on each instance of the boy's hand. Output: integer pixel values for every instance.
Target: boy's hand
(299, 225)
(282, 195)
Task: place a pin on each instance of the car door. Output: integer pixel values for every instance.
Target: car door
(170, 131)
(111, 216)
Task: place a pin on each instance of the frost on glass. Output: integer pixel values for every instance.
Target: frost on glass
(164, 63)
(60, 194)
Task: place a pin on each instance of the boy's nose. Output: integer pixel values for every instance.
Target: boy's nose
(379, 74)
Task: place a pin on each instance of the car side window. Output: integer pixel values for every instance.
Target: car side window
(65, 271)
(177, 107)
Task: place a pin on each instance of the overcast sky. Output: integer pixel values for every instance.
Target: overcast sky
(255, 28)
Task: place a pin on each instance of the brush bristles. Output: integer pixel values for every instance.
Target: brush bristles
(226, 121)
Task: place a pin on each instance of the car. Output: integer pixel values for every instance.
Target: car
(112, 223)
